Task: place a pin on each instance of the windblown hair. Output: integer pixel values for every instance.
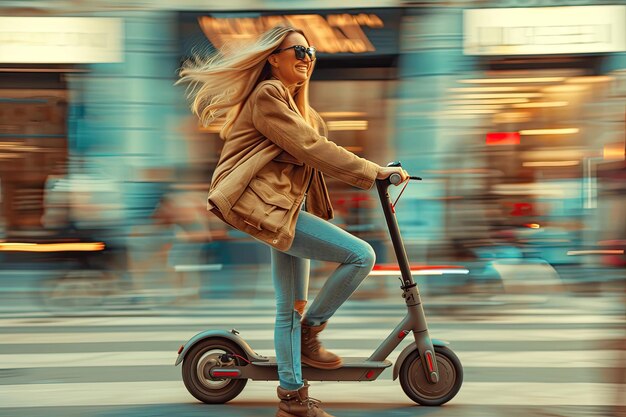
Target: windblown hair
(219, 84)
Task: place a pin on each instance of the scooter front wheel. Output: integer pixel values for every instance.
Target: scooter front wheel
(203, 356)
(419, 389)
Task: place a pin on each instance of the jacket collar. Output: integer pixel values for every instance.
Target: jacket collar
(292, 104)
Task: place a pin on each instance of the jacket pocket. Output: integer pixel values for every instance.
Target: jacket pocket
(261, 207)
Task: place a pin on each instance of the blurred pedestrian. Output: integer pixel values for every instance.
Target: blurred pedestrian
(269, 184)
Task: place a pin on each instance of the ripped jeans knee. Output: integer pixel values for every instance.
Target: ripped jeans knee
(299, 306)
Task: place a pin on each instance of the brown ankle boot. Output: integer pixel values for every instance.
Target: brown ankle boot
(313, 353)
(298, 404)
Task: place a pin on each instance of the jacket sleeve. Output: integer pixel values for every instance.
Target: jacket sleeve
(273, 117)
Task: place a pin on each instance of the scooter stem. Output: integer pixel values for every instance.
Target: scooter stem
(416, 319)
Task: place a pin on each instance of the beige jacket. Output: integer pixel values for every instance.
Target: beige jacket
(269, 160)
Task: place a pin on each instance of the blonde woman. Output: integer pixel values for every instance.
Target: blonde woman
(269, 183)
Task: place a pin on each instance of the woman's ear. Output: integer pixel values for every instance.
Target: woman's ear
(273, 60)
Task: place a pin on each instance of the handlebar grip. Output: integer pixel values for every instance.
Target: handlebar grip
(395, 179)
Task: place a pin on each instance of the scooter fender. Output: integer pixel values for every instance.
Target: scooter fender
(407, 351)
(232, 335)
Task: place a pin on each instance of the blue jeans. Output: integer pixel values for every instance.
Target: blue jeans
(318, 239)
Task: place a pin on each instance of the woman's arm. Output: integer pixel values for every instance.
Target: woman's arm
(273, 117)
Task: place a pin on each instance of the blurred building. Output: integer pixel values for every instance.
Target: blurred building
(508, 109)
(530, 107)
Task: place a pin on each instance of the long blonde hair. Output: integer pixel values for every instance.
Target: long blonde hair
(220, 83)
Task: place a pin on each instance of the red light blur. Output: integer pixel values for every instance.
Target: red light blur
(502, 138)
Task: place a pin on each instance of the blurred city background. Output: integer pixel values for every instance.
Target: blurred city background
(513, 112)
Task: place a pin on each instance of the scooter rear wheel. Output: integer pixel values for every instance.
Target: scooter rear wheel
(417, 387)
(197, 364)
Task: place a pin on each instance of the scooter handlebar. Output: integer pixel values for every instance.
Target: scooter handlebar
(396, 179)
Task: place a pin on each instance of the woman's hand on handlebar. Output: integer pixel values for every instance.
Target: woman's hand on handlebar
(385, 172)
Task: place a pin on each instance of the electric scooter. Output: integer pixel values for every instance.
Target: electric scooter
(217, 364)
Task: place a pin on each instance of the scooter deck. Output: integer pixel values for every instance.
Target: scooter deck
(348, 362)
(353, 369)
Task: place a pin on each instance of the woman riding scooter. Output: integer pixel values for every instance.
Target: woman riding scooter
(269, 184)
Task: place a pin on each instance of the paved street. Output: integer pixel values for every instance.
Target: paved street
(525, 356)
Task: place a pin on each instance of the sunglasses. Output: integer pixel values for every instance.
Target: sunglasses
(301, 51)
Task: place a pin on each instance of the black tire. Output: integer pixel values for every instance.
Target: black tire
(419, 389)
(199, 384)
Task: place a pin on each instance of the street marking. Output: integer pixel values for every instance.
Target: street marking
(379, 392)
(255, 318)
(346, 310)
(452, 335)
(497, 359)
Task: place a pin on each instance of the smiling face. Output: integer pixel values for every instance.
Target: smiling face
(286, 67)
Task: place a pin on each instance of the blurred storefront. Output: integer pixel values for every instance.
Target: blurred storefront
(86, 138)
(353, 87)
(549, 106)
(33, 119)
(515, 122)
(37, 55)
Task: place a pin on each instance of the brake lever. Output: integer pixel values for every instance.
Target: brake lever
(395, 180)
